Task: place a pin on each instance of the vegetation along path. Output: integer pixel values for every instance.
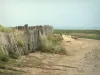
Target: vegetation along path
(83, 58)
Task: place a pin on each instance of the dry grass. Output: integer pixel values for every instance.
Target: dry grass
(3, 56)
(51, 45)
(5, 29)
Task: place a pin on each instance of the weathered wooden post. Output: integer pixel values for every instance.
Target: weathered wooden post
(27, 36)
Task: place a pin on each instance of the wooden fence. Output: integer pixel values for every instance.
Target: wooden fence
(33, 34)
(31, 38)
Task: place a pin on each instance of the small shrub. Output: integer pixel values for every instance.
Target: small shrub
(3, 56)
(52, 38)
(4, 29)
(58, 37)
(59, 50)
(14, 55)
(48, 45)
(20, 43)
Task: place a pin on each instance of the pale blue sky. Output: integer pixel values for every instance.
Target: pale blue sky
(67, 14)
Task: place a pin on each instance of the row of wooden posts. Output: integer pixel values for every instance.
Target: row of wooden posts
(31, 37)
(33, 34)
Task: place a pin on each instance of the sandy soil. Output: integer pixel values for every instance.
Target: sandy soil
(83, 58)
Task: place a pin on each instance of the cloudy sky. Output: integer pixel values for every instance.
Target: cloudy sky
(64, 14)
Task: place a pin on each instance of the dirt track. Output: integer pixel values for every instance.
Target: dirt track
(83, 58)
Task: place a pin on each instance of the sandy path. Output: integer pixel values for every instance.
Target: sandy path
(83, 59)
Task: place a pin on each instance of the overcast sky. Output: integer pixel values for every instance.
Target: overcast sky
(67, 14)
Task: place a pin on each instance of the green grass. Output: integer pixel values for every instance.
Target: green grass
(5, 29)
(3, 56)
(51, 45)
(89, 34)
(20, 43)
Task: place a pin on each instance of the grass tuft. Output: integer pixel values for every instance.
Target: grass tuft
(5, 29)
(3, 56)
(49, 45)
(14, 55)
(20, 43)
